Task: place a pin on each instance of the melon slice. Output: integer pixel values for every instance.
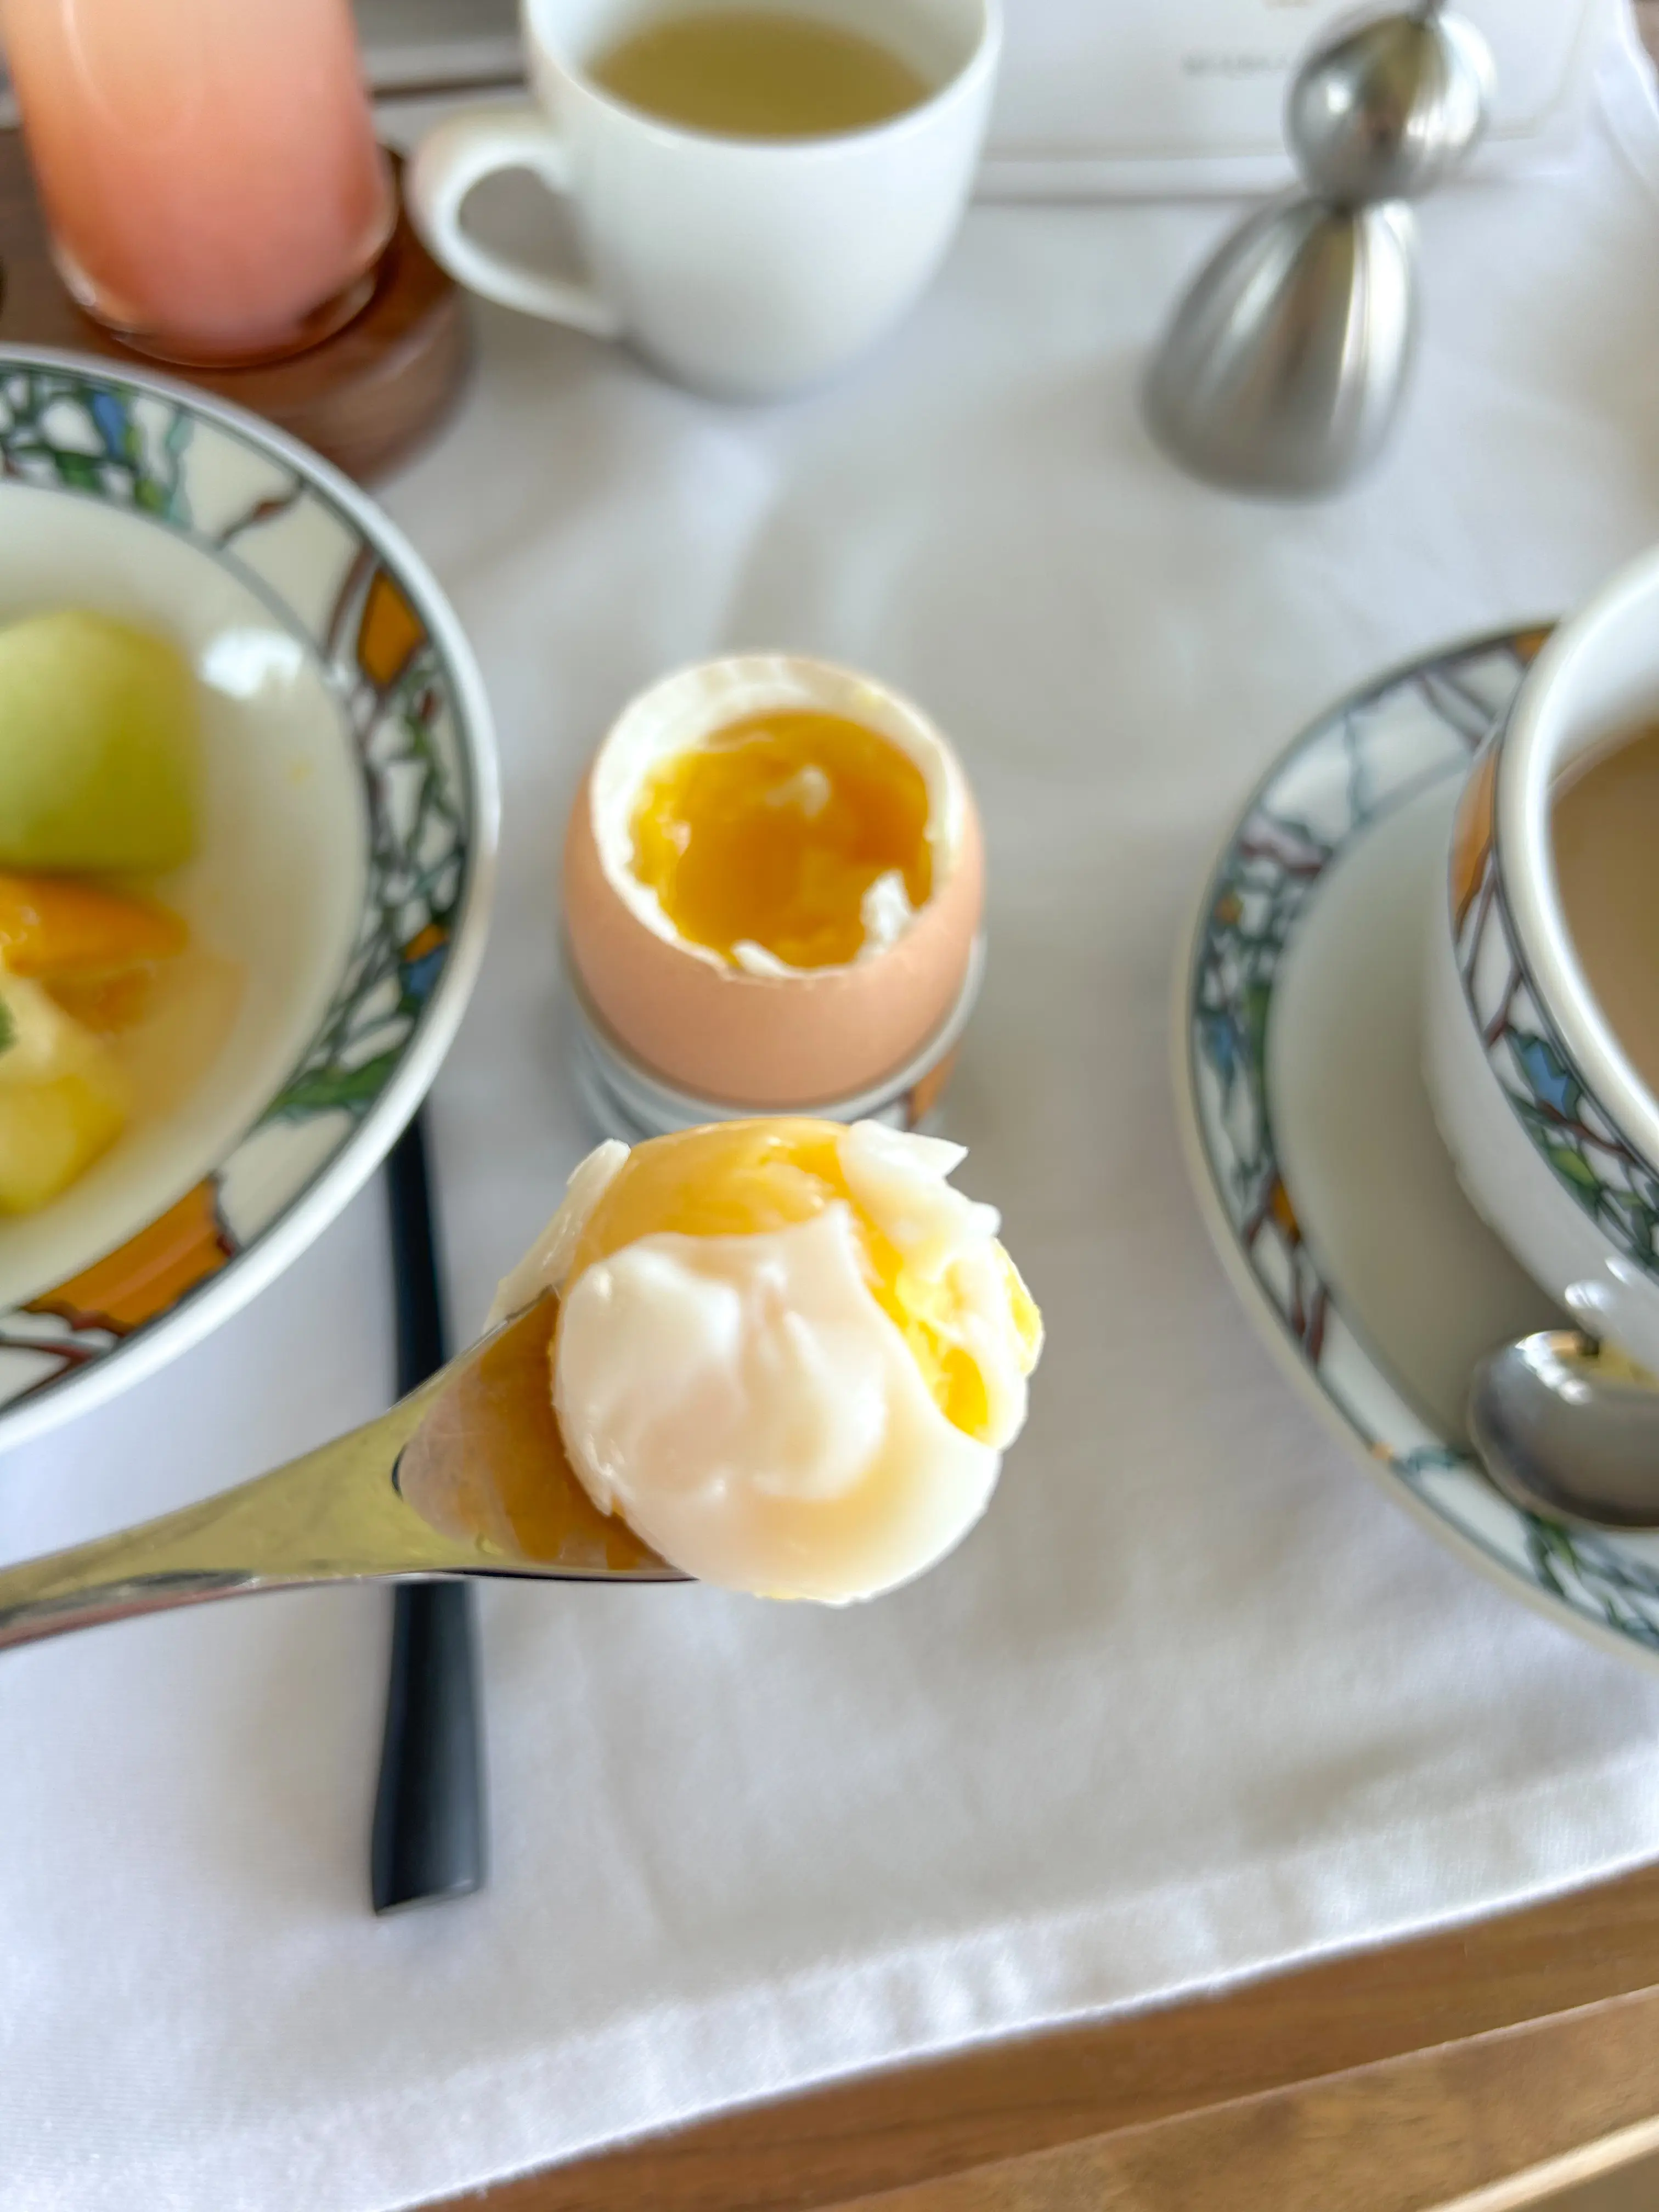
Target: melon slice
(101, 747)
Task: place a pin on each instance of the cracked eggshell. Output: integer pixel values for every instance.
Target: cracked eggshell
(803, 1035)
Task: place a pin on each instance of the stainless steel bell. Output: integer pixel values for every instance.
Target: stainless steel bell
(1286, 362)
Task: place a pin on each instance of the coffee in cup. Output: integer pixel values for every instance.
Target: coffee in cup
(1604, 827)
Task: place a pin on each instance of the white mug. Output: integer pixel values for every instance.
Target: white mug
(749, 267)
(1554, 1135)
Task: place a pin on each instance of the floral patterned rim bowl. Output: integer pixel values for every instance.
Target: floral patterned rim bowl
(1353, 776)
(1554, 1136)
(346, 864)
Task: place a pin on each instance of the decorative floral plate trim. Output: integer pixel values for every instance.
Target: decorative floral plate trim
(316, 556)
(1359, 763)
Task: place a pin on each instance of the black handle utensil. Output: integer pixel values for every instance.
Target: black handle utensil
(429, 1835)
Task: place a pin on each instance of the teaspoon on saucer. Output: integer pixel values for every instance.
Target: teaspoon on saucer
(1569, 1429)
(465, 1475)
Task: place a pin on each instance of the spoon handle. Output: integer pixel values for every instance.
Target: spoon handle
(332, 1516)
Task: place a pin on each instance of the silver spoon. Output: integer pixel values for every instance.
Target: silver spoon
(465, 1476)
(1569, 1429)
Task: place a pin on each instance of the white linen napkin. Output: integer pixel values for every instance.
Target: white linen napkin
(1195, 1701)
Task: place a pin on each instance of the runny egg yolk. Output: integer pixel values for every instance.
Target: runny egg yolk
(791, 830)
(740, 1178)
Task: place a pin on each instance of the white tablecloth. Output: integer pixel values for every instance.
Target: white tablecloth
(1195, 1702)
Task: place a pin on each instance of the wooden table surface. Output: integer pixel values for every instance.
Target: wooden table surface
(1550, 2015)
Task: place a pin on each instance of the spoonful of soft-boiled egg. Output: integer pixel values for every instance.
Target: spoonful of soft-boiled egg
(785, 1356)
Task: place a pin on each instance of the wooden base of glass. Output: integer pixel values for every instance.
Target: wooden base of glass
(365, 392)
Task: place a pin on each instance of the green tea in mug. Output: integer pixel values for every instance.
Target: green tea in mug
(748, 73)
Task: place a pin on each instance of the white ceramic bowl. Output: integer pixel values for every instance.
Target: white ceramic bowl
(1555, 1137)
(347, 854)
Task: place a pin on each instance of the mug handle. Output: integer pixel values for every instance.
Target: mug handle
(462, 152)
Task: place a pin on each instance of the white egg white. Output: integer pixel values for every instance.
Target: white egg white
(753, 1414)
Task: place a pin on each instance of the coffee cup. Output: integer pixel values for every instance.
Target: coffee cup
(1553, 1130)
(749, 267)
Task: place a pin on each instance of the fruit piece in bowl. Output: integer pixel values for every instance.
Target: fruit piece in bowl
(101, 747)
(99, 771)
(61, 1099)
(80, 968)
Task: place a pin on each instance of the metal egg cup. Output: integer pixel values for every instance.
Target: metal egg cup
(1283, 368)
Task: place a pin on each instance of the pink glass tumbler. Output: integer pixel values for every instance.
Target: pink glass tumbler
(209, 169)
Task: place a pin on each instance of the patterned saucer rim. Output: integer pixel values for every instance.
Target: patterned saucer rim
(1604, 1588)
(398, 659)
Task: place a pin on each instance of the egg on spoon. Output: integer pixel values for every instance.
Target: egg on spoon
(789, 1354)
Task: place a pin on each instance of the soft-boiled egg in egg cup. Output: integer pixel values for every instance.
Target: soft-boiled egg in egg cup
(788, 1353)
(772, 882)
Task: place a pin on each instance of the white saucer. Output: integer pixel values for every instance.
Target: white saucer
(1313, 1149)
